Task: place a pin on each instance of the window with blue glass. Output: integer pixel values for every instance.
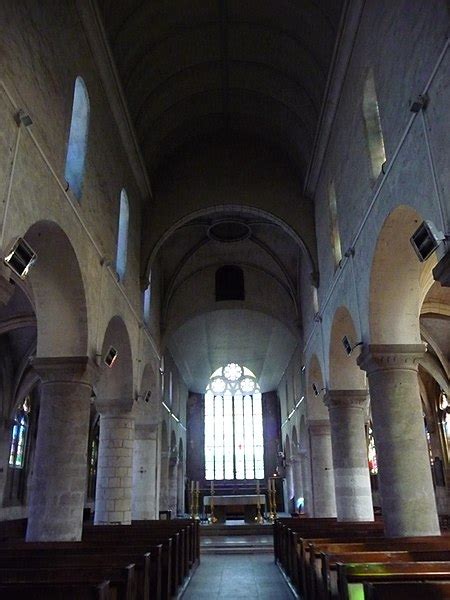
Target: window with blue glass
(19, 436)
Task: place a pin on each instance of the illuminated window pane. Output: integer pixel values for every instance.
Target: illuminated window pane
(19, 436)
(234, 446)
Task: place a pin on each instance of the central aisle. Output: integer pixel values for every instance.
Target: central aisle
(252, 576)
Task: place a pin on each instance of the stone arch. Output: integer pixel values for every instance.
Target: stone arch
(230, 209)
(115, 385)
(344, 372)
(58, 292)
(395, 281)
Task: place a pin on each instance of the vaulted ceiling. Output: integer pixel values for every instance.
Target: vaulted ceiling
(191, 67)
(234, 75)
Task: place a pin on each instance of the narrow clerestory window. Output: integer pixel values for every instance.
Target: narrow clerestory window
(122, 236)
(335, 237)
(148, 300)
(374, 133)
(78, 136)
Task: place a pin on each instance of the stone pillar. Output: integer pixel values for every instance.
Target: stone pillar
(297, 476)
(324, 500)
(173, 486)
(58, 483)
(164, 481)
(347, 410)
(144, 472)
(289, 486)
(408, 502)
(115, 464)
(305, 465)
(181, 488)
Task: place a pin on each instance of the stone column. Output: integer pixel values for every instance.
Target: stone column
(297, 476)
(58, 483)
(289, 486)
(347, 410)
(164, 481)
(173, 486)
(324, 500)
(305, 465)
(144, 472)
(115, 464)
(408, 502)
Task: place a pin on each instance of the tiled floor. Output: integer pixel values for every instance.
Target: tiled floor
(251, 576)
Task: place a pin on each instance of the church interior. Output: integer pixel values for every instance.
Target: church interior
(225, 299)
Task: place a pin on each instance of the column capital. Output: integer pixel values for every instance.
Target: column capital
(319, 427)
(385, 357)
(65, 369)
(347, 399)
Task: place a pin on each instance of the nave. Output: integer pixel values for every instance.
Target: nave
(251, 575)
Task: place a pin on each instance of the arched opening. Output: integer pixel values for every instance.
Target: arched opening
(115, 385)
(58, 291)
(78, 137)
(122, 235)
(344, 372)
(395, 282)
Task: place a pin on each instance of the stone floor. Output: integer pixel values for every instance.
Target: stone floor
(253, 576)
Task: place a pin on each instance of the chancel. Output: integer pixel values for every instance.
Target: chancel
(224, 299)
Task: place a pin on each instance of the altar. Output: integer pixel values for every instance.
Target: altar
(245, 505)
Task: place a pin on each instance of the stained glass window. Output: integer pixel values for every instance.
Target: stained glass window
(19, 436)
(234, 444)
(372, 453)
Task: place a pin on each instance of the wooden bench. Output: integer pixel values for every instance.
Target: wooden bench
(424, 590)
(352, 577)
(76, 590)
(122, 581)
(82, 556)
(324, 579)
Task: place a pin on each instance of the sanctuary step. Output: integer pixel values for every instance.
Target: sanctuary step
(239, 539)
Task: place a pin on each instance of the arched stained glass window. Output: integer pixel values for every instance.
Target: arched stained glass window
(78, 136)
(372, 122)
(234, 444)
(122, 236)
(19, 436)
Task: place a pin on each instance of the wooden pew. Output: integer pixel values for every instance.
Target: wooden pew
(356, 575)
(76, 590)
(122, 579)
(66, 553)
(424, 590)
(324, 583)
